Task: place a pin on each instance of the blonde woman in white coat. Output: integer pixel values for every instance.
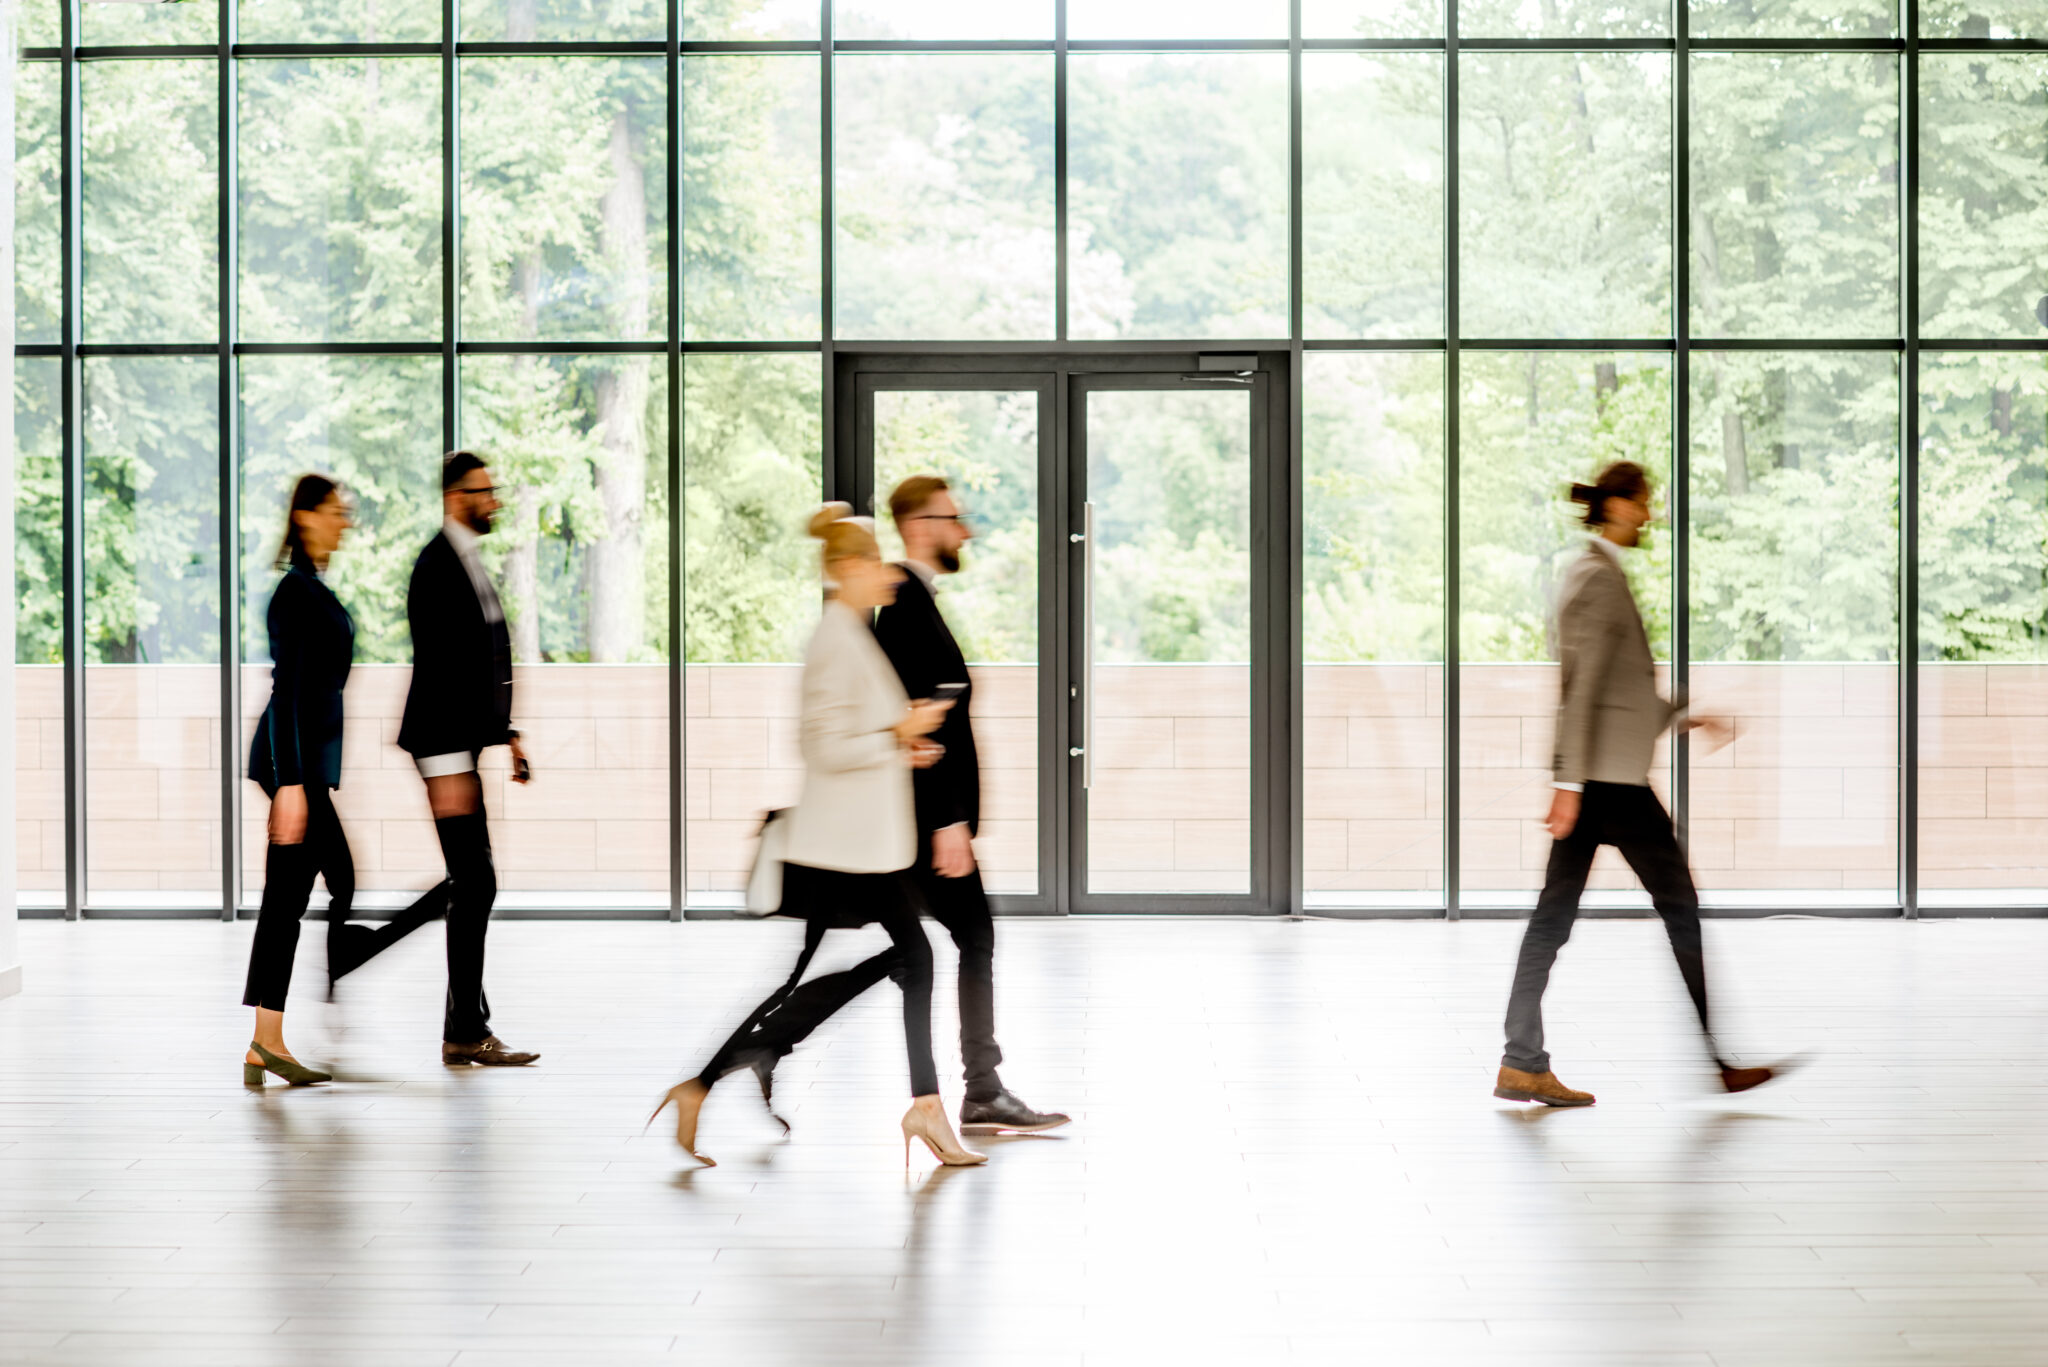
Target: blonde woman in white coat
(853, 834)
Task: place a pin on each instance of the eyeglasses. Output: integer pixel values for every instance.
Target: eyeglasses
(477, 489)
(959, 519)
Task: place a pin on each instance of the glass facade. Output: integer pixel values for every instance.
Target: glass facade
(1791, 256)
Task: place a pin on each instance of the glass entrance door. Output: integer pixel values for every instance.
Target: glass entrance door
(1118, 609)
(1163, 640)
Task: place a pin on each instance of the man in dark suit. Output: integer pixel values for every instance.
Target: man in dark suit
(458, 705)
(914, 635)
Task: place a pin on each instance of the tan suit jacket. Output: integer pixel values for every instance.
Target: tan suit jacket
(1609, 714)
(856, 814)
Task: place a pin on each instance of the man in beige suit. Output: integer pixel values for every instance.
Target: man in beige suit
(1609, 718)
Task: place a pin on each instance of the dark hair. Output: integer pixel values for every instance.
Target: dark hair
(308, 494)
(1623, 479)
(455, 465)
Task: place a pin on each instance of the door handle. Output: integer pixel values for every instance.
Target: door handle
(1087, 646)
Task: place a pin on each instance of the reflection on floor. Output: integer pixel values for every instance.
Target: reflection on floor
(1284, 1150)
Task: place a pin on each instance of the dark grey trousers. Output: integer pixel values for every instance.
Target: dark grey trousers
(1628, 817)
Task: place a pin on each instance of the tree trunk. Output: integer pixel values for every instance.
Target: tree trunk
(1606, 381)
(1734, 454)
(2001, 412)
(617, 561)
(522, 581)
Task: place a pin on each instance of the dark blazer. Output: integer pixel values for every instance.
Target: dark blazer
(312, 645)
(460, 697)
(915, 638)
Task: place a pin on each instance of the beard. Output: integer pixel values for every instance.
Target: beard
(481, 524)
(949, 561)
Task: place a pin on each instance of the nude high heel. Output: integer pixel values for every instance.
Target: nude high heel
(689, 1100)
(938, 1137)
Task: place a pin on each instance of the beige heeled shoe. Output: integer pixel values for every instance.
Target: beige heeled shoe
(938, 1137)
(689, 1100)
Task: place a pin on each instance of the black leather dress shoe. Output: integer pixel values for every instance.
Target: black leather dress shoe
(1006, 1111)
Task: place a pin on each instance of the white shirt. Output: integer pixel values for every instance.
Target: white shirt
(465, 543)
(926, 575)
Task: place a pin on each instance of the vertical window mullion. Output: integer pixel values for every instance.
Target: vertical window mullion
(229, 493)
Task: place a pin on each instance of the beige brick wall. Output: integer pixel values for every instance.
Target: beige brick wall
(1801, 802)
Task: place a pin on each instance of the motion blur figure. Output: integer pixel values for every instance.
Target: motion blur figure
(914, 635)
(853, 833)
(458, 705)
(296, 758)
(1609, 717)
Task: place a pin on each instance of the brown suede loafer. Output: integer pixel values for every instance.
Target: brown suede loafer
(1742, 1079)
(1516, 1085)
(492, 1053)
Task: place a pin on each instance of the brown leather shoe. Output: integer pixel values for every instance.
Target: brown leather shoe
(492, 1053)
(1516, 1085)
(1742, 1079)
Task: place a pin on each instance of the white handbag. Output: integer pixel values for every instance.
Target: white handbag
(764, 880)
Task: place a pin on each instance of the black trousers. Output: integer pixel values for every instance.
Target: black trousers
(1630, 818)
(795, 1009)
(961, 906)
(465, 897)
(288, 874)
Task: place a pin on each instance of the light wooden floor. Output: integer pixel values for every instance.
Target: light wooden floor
(1285, 1150)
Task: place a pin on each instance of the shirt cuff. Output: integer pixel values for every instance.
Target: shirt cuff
(441, 766)
(1569, 787)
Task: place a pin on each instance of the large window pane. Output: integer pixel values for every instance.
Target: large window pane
(320, 21)
(751, 479)
(1794, 625)
(340, 163)
(374, 423)
(1090, 19)
(1372, 628)
(38, 633)
(1178, 197)
(1373, 194)
(1982, 18)
(1372, 18)
(778, 20)
(560, 21)
(750, 198)
(1564, 18)
(1983, 196)
(106, 25)
(1795, 194)
(1530, 424)
(579, 447)
(564, 199)
(1983, 629)
(151, 199)
(944, 195)
(38, 302)
(940, 19)
(986, 445)
(38, 24)
(1793, 19)
(152, 631)
(1564, 194)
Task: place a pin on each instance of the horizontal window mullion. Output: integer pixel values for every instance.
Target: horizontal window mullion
(1567, 344)
(1373, 44)
(1134, 45)
(1796, 344)
(89, 349)
(337, 50)
(746, 348)
(650, 47)
(337, 348)
(159, 52)
(469, 348)
(944, 45)
(1375, 344)
(1928, 344)
(741, 48)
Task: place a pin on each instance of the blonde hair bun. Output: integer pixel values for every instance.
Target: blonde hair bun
(822, 520)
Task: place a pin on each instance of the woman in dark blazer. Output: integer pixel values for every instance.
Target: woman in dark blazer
(296, 757)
